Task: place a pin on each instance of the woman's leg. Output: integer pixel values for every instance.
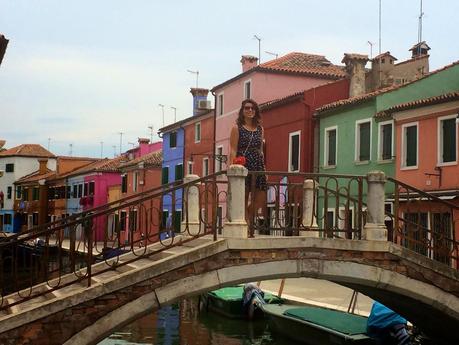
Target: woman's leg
(260, 202)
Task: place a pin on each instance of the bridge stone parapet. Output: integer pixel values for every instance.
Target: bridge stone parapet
(378, 268)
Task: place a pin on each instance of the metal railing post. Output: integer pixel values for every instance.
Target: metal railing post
(236, 224)
(309, 219)
(375, 229)
(191, 200)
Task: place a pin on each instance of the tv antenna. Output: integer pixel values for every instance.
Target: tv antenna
(121, 141)
(175, 113)
(421, 14)
(197, 75)
(162, 108)
(151, 133)
(259, 47)
(379, 27)
(273, 54)
(101, 149)
(70, 150)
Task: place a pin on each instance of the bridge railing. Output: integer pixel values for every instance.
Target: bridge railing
(45, 254)
(309, 204)
(424, 223)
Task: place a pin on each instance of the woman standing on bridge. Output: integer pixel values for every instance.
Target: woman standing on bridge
(246, 148)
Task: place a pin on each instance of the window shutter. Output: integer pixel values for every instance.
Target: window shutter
(364, 141)
(411, 146)
(177, 221)
(387, 142)
(294, 159)
(165, 175)
(178, 172)
(449, 140)
(332, 147)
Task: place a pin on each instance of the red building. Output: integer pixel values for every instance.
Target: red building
(289, 126)
(141, 221)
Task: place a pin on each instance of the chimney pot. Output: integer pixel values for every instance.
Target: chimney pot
(355, 66)
(248, 62)
(42, 165)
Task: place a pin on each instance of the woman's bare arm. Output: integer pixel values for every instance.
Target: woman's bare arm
(234, 139)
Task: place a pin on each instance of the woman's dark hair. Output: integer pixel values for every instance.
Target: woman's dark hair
(240, 118)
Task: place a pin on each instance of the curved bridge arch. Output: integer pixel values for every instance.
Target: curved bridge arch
(381, 270)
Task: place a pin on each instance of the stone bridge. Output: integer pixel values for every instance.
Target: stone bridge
(424, 292)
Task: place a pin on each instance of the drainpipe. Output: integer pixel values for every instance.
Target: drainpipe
(215, 131)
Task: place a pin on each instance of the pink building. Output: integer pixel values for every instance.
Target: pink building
(271, 80)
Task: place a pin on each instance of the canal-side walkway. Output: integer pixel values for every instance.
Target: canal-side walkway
(318, 292)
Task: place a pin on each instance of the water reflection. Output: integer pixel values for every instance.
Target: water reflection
(183, 324)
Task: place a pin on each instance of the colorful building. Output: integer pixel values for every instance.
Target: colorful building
(353, 142)
(140, 222)
(15, 163)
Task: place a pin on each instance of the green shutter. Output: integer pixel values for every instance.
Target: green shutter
(178, 172)
(177, 221)
(411, 146)
(449, 140)
(332, 147)
(364, 141)
(387, 141)
(295, 152)
(165, 175)
(173, 139)
(164, 217)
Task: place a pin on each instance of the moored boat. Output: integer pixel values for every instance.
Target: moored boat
(228, 302)
(316, 325)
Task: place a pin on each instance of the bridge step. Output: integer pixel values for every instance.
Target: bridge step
(68, 290)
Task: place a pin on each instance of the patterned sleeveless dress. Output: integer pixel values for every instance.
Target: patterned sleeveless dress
(249, 146)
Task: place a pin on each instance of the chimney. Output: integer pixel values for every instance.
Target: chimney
(355, 67)
(248, 62)
(143, 146)
(419, 49)
(199, 94)
(42, 166)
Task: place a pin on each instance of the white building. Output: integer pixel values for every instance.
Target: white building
(15, 163)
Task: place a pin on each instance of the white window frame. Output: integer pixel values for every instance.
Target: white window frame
(204, 161)
(218, 163)
(290, 135)
(440, 141)
(403, 160)
(380, 143)
(358, 123)
(326, 130)
(220, 103)
(244, 91)
(197, 139)
(190, 167)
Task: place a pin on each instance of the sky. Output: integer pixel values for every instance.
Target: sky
(77, 73)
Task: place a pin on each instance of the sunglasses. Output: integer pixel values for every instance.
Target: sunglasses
(248, 107)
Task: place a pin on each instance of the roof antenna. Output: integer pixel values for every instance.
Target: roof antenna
(273, 54)
(380, 27)
(259, 47)
(421, 14)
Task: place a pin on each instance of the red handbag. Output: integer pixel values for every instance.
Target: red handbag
(239, 160)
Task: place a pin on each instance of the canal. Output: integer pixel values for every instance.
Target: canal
(184, 324)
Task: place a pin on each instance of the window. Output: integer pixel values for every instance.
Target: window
(330, 146)
(220, 104)
(165, 175)
(18, 192)
(385, 143)
(173, 139)
(9, 167)
(9, 192)
(25, 194)
(294, 152)
(447, 140)
(197, 132)
(35, 218)
(123, 220)
(91, 188)
(410, 145)
(75, 191)
(190, 168)
(7, 219)
(86, 189)
(68, 192)
(80, 190)
(177, 221)
(133, 220)
(218, 162)
(178, 172)
(124, 183)
(35, 194)
(205, 166)
(363, 140)
(164, 218)
(135, 181)
(247, 89)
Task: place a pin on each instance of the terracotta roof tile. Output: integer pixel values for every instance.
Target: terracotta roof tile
(446, 97)
(383, 55)
(36, 176)
(103, 165)
(296, 63)
(280, 101)
(152, 159)
(27, 150)
(368, 96)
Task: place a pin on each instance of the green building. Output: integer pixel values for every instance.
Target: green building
(352, 142)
